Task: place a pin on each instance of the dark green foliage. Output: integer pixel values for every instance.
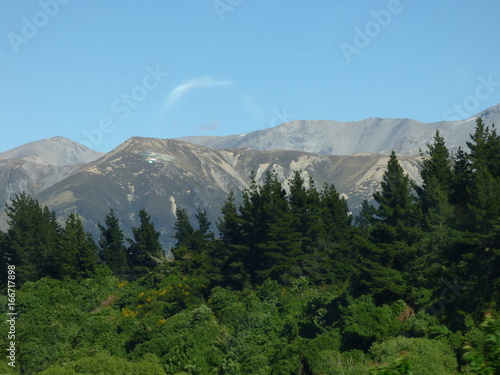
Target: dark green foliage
(184, 231)
(363, 322)
(145, 251)
(193, 246)
(398, 215)
(77, 252)
(31, 242)
(112, 248)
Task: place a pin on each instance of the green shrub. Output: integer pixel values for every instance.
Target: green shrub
(364, 323)
(428, 357)
(105, 364)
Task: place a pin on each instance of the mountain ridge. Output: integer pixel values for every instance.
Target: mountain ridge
(372, 135)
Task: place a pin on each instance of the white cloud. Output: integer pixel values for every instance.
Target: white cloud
(181, 90)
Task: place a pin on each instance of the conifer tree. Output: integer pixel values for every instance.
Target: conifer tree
(193, 246)
(397, 215)
(145, 251)
(112, 248)
(436, 173)
(31, 240)
(485, 148)
(77, 256)
(229, 255)
(387, 253)
(364, 219)
(184, 231)
(229, 225)
(335, 213)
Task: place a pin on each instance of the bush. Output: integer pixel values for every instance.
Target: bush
(428, 357)
(105, 364)
(364, 323)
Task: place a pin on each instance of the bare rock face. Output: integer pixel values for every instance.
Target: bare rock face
(373, 135)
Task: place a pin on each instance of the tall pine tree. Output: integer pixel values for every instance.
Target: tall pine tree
(145, 251)
(31, 240)
(112, 248)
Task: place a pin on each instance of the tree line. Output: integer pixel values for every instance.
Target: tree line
(419, 262)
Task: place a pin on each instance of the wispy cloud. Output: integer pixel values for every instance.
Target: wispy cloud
(181, 90)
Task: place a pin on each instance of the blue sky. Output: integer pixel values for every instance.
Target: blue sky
(99, 72)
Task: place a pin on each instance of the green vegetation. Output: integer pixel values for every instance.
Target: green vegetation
(288, 285)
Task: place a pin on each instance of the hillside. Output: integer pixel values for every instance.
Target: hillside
(373, 135)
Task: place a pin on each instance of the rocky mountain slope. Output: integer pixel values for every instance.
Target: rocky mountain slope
(38, 165)
(373, 135)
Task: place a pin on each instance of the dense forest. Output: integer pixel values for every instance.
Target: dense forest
(286, 282)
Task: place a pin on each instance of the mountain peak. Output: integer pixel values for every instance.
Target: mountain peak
(52, 151)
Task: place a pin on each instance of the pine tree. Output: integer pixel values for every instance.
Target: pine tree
(31, 239)
(436, 173)
(229, 255)
(398, 214)
(386, 254)
(112, 248)
(77, 256)
(229, 225)
(364, 220)
(145, 251)
(184, 231)
(485, 148)
(335, 214)
(193, 248)
(204, 234)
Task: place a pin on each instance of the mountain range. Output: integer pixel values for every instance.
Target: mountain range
(194, 173)
(373, 135)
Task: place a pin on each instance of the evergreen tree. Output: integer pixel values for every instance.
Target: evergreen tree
(461, 179)
(193, 246)
(31, 239)
(397, 216)
(229, 225)
(436, 173)
(77, 256)
(389, 250)
(145, 251)
(204, 234)
(335, 214)
(485, 148)
(184, 231)
(112, 248)
(364, 219)
(278, 249)
(229, 255)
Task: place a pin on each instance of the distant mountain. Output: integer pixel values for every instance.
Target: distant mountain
(35, 166)
(52, 151)
(373, 135)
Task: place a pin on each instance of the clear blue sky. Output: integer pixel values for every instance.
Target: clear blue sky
(162, 68)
